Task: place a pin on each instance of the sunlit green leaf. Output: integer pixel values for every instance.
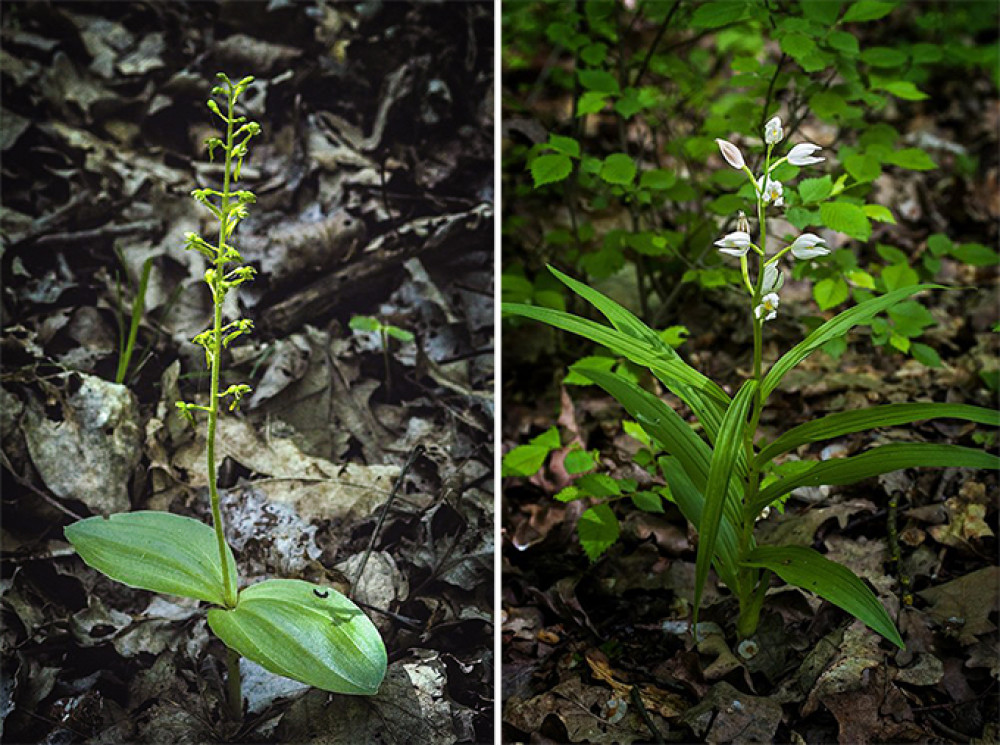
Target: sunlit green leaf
(306, 632)
(547, 169)
(158, 551)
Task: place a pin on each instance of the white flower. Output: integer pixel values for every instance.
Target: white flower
(802, 154)
(731, 153)
(771, 191)
(774, 278)
(808, 246)
(773, 133)
(734, 244)
(768, 307)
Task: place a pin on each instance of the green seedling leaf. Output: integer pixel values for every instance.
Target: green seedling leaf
(157, 551)
(837, 326)
(878, 460)
(598, 530)
(720, 473)
(305, 632)
(810, 570)
(890, 415)
(364, 323)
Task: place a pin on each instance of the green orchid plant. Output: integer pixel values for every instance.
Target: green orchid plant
(725, 478)
(307, 632)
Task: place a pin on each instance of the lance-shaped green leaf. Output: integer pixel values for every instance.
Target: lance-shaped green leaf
(667, 428)
(878, 460)
(626, 322)
(719, 474)
(706, 399)
(832, 329)
(890, 415)
(157, 551)
(692, 503)
(810, 570)
(306, 632)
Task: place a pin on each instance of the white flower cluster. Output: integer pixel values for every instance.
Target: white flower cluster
(769, 191)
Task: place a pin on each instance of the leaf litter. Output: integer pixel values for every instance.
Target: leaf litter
(374, 184)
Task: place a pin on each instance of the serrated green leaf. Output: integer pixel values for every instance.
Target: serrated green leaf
(306, 632)
(976, 254)
(600, 81)
(578, 461)
(867, 10)
(884, 57)
(658, 178)
(564, 145)
(835, 327)
(717, 14)
(590, 102)
(830, 292)
(618, 168)
(860, 278)
(547, 169)
(815, 189)
(594, 54)
(912, 158)
(846, 218)
(926, 355)
(889, 415)
(904, 89)
(842, 41)
(157, 551)
(525, 460)
(880, 213)
(810, 570)
(863, 168)
(899, 275)
(648, 501)
(598, 530)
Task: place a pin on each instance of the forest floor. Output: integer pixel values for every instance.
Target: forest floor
(374, 184)
(600, 652)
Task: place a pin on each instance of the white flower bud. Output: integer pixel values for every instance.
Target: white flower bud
(731, 153)
(774, 278)
(773, 133)
(734, 244)
(802, 154)
(809, 246)
(772, 192)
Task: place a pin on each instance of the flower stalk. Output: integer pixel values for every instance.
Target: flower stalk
(229, 208)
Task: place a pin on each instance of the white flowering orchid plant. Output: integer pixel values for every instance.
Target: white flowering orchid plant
(722, 475)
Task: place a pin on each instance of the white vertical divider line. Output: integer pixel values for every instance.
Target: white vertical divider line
(497, 378)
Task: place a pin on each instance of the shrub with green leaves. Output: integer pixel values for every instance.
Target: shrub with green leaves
(303, 631)
(720, 474)
(647, 87)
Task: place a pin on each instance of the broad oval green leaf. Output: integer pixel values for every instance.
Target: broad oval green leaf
(720, 472)
(810, 570)
(157, 551)
(306, 632)
(878, 460)
(889, 415)
(835, 327)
